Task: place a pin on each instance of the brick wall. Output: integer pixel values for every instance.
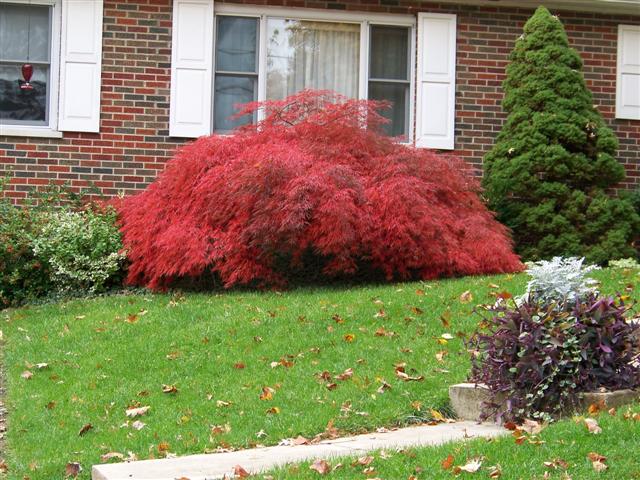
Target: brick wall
(133, 143)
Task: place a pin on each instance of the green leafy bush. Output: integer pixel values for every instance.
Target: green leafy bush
(83, 249)
(23, 275)
(55, 243)
(553, 164)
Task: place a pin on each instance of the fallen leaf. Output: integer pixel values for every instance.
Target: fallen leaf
(222, 403)
(85, 428)
(110, 456)
(4, 468)
(363, 461)
(26, 375)
(472, 466)
(349, 337)
(163, 447)
(382, 388)
(597, 461)
(300, 440)
(239, 365)
(273, 411)
(240, 472)
(138, 425)
(331, 386)
(320, 466)
(169, 389)
(136, 411)
(51, 405)
(531, 426)
(42, 366)
(447, 463)
(466, 297)
(348, 373)
(267, 393)
(132, 318)
(495, 471)
(445, 318)
(592, 426)
(72, 469)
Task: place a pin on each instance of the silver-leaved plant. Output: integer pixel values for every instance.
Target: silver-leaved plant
(560, 280)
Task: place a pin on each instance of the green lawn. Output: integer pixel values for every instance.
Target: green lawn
(567, 441)
(220, 351)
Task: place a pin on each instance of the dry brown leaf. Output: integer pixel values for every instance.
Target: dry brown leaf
(110, 456)
(267, 393)
(348, 373)
(136, 411)
(26, 375)
(597, 461)
(240, 472)
(72, 469)
(364, 461)
(349, 337)
(466, 297)
(592, 426)
(273, 411)
(4, 468)
(169, 389)
(495, 471)
(447, 463)
(382, 388)
(300, 440)
(85, 428)
(239, 365)
(331, 386)
(531, 426)
(321, 466)
(163, 447)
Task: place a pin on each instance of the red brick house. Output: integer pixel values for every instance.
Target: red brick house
(117, 85)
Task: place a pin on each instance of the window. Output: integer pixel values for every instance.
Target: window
(25, 39)
(274, 54)
(389, 74)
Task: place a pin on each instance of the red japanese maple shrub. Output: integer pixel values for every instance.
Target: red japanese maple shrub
(310, 181)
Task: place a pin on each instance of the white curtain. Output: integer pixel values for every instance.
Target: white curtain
(317, 55)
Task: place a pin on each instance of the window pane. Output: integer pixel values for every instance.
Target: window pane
(16, 105)
(24, 32)
(236, 44)
(397, 94)
(389, 53)
(317, 55)
(229, 92)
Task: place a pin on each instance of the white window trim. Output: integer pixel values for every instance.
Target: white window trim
(620, 110)
(364, 19)
(51, 130)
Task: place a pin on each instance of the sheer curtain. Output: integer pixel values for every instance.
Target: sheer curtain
(318, 55)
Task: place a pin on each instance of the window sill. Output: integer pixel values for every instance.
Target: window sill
(37, 132)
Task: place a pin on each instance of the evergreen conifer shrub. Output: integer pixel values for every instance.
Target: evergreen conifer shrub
(553, 164)
(310, 190)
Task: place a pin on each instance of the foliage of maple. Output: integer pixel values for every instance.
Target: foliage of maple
(310, 189)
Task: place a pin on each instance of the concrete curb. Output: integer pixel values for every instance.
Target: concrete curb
(217, 465)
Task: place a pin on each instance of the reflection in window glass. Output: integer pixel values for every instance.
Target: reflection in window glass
(389, 75)
(25, 37)
(236, 77)
(315, 55)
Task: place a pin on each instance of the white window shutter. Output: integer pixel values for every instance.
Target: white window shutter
(436, 94)
(628, 79)
(80, 66)
(191, 68)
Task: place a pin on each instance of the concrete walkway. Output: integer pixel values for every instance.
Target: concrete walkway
(216, 465)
